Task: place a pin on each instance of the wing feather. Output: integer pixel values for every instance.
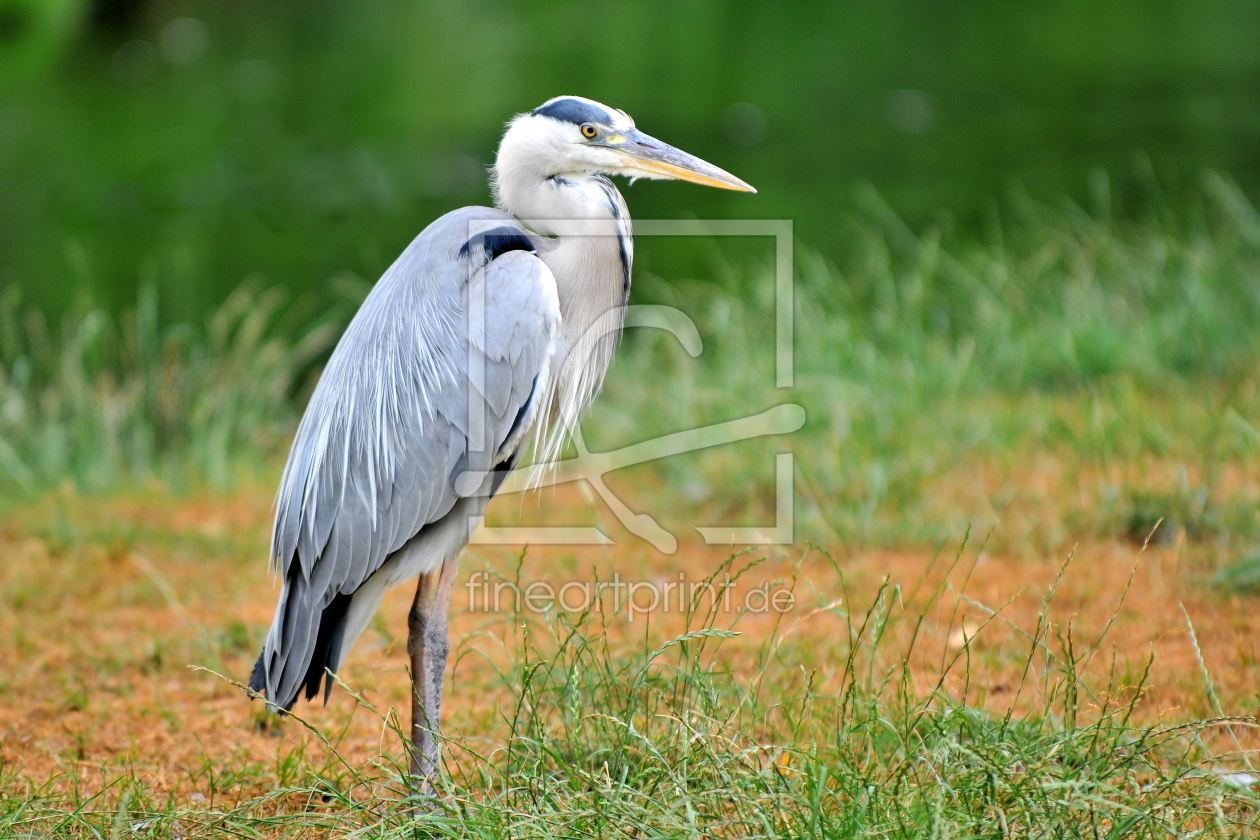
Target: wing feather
(387, 429)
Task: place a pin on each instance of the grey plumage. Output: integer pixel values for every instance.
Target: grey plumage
(490, 325)
(385, 436)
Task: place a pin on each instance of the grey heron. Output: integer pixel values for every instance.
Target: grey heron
(492, 330)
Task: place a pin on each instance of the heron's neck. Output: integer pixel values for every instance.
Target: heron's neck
(590, 256)
(593, 243)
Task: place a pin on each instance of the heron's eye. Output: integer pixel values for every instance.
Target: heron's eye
(588, 130)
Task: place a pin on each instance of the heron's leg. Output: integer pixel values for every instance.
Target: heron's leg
(427, 645)
(416, 621)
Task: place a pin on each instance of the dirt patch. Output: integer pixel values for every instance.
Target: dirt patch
(105, 602)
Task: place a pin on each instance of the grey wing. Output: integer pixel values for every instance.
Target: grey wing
(439, 373)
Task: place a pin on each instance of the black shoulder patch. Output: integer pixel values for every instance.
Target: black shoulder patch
(575, 111)
(496, 242)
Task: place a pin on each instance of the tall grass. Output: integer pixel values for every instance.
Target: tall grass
(688, 737)
(104, 401)
(1102, 342)
(918, 350)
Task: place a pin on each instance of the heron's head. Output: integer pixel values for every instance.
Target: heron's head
(572, 135)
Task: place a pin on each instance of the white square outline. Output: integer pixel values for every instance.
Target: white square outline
(772, 421)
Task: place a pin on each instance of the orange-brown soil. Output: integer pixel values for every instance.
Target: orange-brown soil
(107, 601)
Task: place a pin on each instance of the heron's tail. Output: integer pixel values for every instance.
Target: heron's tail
(304, 643)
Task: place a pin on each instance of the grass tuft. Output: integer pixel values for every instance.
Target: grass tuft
(105, 402)
(1242, 575)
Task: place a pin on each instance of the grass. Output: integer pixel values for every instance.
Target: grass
(705, 733)
(1073, 381)
(915, 351)
(1103, 343)
(104, 401)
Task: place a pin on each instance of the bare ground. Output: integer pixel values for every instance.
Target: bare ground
(106, 602)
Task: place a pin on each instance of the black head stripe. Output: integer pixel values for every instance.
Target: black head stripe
(575, 111)
(495, 242)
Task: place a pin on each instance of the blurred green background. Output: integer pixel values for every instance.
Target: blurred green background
(1020, 228)
(193, 144)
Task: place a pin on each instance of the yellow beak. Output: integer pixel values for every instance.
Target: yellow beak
(647, 157)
